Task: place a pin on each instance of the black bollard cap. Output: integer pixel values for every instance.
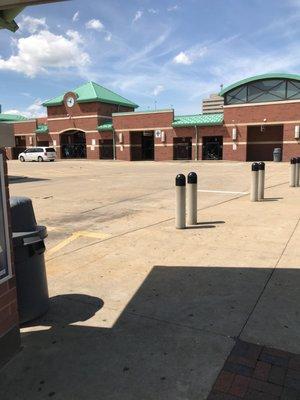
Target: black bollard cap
(255, 166)
(192, 177)
(180, 180)
(293, 160)
(261, 166)
(298, 160)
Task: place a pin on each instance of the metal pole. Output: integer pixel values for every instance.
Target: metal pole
(261, 180)
(254, 182)
(293, 172)
(192, 198)
(114, 144)
(180, 216)
(297, 179)
(196, 149)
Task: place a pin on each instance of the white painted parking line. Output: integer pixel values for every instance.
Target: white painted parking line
(221, 191)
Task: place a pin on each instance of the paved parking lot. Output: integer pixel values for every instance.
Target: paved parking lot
(141, 310)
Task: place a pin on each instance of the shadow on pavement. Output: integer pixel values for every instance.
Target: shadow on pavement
(168, 343)
(23, 179)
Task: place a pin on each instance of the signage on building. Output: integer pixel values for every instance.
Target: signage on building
(5, 258)
(157, 133)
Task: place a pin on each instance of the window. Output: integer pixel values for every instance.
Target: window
(267, 90)
(50, 149)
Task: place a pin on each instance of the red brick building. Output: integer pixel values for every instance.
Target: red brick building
(259, 114)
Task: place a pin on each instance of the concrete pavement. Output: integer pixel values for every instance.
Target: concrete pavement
(144, 311)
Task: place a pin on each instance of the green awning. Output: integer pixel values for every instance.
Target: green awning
(107, 126)
(198, 120)
(42, 128)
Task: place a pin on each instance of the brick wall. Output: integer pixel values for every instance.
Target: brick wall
(143, 120)
(9, 329)
(285, 114)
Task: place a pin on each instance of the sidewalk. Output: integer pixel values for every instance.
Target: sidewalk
(153, 312)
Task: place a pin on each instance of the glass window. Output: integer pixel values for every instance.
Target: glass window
(50, 149)
(264, 91)
(5, 267)
(293, 90)
(267, 90)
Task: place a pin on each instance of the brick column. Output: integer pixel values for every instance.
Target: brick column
(9, 324)
(56, 144)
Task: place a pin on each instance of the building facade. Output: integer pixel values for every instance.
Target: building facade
(213, 104)
(260, 114)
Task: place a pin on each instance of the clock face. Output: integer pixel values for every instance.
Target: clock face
(70, 101)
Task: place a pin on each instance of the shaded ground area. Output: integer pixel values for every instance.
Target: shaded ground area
(141, 310)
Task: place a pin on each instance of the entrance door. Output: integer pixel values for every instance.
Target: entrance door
(212, 148)
(148, 146)
(106, 149)
(73, 144)
(182, 148)
(20, 146)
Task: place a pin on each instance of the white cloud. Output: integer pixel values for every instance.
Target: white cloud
(153, 10)
(75, 16)
(43, 51)
(31, 24)
(108, 37)
(189, 56)
(173, 8)
(94, 24)
(182, 58)
(137, 15)
(34, 110)
(158, 89)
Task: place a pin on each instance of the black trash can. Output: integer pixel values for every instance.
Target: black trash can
(29, 249)
(277, 154)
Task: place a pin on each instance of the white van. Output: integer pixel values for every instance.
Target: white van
(38, 154)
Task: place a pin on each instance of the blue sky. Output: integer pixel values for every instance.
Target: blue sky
(173, 53)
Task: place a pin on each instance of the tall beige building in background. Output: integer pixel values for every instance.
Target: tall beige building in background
(212, 105)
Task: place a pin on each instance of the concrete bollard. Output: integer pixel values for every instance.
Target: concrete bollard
(293, 172)
(180, 213)
(192, 198)
(297, 178)
(254, 182)
(261, 181)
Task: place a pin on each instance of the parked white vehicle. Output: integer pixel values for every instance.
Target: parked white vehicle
(38, 154)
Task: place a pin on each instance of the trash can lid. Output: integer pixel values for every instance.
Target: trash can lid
(22, 214)
(18, 237)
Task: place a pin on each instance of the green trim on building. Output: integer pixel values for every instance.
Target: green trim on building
(42, 128)
(107, 126)
(198, 120)
(259, 78)
(11, 117)
(92, 92)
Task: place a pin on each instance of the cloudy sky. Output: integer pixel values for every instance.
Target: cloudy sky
(173, 53)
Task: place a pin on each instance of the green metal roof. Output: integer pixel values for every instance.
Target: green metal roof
(106, 126)
(90, 92)
(198, 120)
(7, 17)
(11, 117)
(259, 78)
(42, 128)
